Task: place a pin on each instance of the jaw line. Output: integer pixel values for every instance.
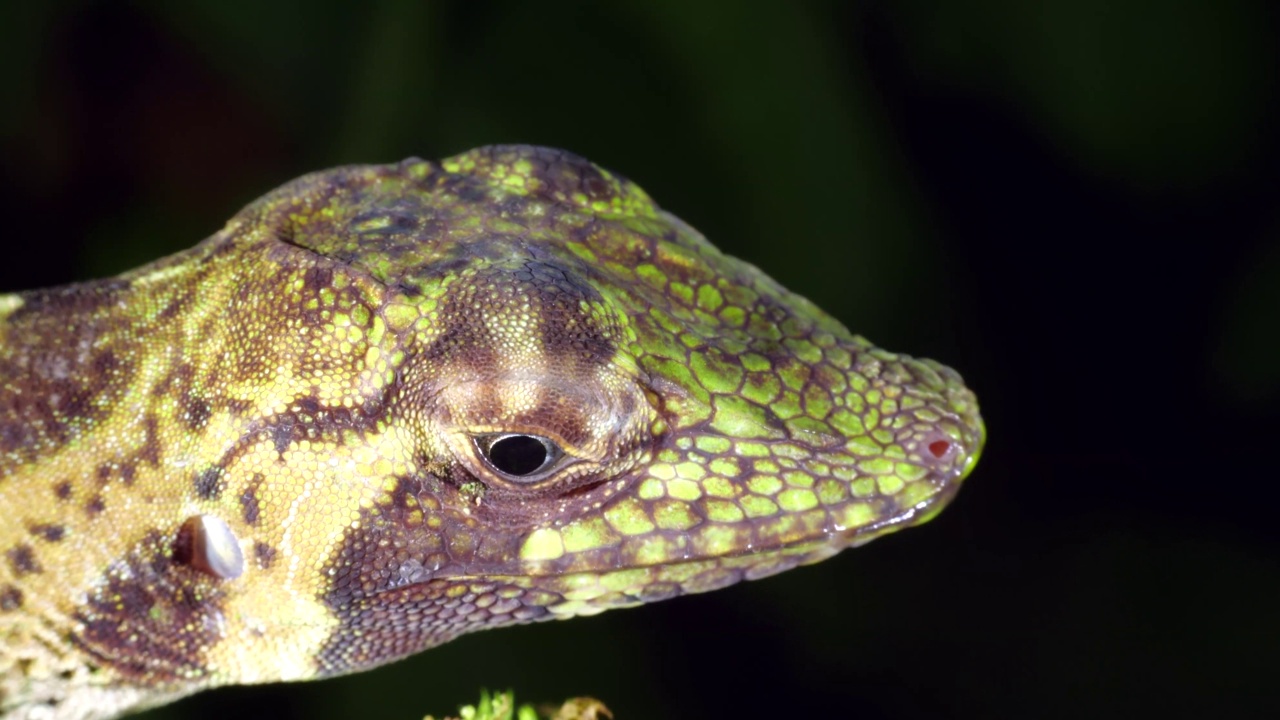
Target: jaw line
(826, 544)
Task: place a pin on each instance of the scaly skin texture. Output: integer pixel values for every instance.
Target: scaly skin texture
(276, 456)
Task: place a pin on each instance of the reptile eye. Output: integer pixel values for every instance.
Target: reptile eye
(519, 456)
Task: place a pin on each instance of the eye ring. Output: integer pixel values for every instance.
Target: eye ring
(520, 457)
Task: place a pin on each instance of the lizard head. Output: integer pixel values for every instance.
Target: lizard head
(438, 397)
(388, 405)
(574, 402)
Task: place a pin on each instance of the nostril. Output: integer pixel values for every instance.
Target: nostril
(937, 447)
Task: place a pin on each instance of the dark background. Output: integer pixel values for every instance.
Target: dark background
(1073, 202)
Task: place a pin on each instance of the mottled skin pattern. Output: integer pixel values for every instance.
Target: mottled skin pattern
(323, 378)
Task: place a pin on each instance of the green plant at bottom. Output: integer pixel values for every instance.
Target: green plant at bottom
(502, 706)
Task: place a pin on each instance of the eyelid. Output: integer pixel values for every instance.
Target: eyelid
(555, 456)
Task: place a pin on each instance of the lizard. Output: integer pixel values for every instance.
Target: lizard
(387, 405)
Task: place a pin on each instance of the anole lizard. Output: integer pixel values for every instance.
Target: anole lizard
(390, 404)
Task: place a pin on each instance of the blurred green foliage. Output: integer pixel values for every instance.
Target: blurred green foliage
(1161, 95)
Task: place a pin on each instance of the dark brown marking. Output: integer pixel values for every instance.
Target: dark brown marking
(180, 383)
(282, 432)
(197, 413)
(85, 297)
(563, 174)
(63, 490)
(95, 506)
(393, 221)
(105, 363)
(249, 506)
(22, 559)
(149, 618)
(308, 405)
(51, 532)
(264, 553)
(384, 585)
(58, 393)
(317, 278)
(405, 494)
(324, 424)
(176, 380)
(209, 484)
(553, 279)
(409, 290)
(10, 598)
(418, 615)
(150, 450)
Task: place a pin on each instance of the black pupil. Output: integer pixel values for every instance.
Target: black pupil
(518, 454)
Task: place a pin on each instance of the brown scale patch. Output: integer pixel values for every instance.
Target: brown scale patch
(313, 422)
(570, 340)
(179, 383)
(555, 291)
(404, 497)
(275, 208)
(22, 560)
(390, 579)
(309, 405)
(409, 290)
(50, 532)
(410, 619)
(150, 618)
(562, 174)
(196, 413)
(166, 383)
(555, 280)
(264, 554)
(177, 380)
(84, 298)
(313, 276)
(461, 341)
(380, 231)
(446, 261)
(62, 490)
(209, 484)
(196, 410)
(10, 598)
(60, 382)
(238, 406)
(317, 278)
(307, 419)
(283, 431)
(104, 364)
(249, 505)
(393, 221)
(94, 507)
(149, 453)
